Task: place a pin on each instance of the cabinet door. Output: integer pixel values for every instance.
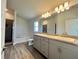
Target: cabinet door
(75, 52)
(37, 42)
(67, 53)
(53, 50)
(59, 50)
(44, 46)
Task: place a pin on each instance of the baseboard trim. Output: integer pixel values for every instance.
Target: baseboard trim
(19, 42)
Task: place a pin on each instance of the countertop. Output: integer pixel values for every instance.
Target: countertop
(69, 40)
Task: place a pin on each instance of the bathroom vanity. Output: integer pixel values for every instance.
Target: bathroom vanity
(56, 47)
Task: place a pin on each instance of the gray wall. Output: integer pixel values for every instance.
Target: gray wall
(21, 30)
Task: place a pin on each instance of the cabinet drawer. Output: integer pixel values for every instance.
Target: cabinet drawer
(60, 43)
(44, 39)
(44, 48)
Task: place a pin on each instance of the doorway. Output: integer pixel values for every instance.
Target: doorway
(8, 32)
(45, 28)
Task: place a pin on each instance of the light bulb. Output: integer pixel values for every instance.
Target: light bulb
(47, 14)
(66, 5)
(56, 9)
(42, 16)
(61, 8)
(67, 8)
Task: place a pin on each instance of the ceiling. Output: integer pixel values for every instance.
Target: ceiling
(33, 8)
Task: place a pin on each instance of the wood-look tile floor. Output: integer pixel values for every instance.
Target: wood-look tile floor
(35, 53)
(21, 51)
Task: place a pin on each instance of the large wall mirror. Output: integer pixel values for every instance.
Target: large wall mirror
(71, 27)
(64, 23)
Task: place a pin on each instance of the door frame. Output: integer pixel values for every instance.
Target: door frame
(3, 7)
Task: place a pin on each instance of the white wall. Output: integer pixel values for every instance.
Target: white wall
(31, 28)
(21, 30)
(3, 7)
(2, 28)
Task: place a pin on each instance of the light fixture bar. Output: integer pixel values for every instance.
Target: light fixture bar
(62, 7)
(47, 14)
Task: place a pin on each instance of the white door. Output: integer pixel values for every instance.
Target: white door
(3, 7)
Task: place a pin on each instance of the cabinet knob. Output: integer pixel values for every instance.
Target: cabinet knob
(59, 50)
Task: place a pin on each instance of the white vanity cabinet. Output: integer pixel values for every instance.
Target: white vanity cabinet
(55, 49)
(60, 50)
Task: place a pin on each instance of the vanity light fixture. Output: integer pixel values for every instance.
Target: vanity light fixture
(62, 7)
(57, 10)
(47, 14)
